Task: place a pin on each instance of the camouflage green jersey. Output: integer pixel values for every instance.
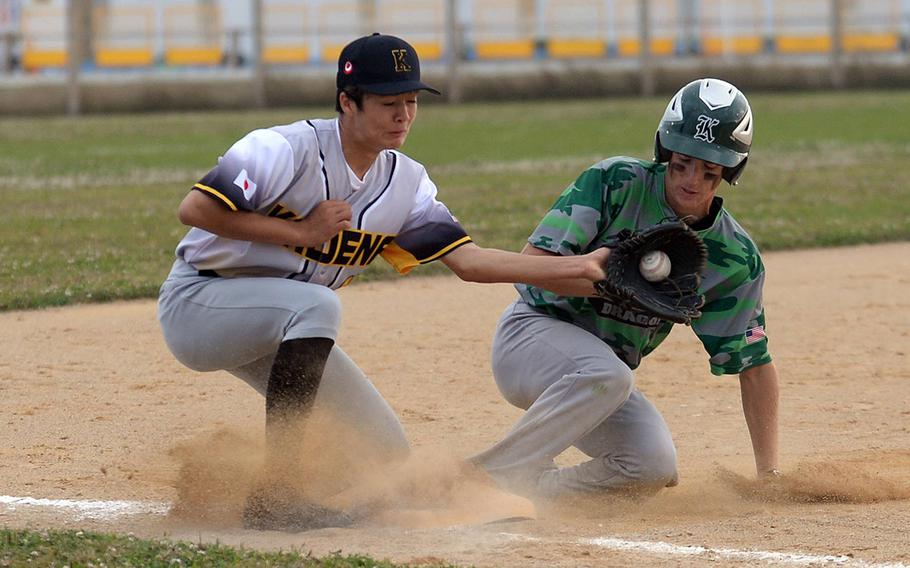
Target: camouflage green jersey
(626, 193)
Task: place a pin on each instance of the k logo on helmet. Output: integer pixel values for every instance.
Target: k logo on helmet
(401, 65)
(704, 129)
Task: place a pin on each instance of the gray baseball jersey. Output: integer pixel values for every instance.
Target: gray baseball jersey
(286, 171)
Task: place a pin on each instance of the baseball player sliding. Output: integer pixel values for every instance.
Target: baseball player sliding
(569, 360)
(288, 215)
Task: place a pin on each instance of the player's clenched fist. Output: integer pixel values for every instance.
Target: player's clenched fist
(325, 221)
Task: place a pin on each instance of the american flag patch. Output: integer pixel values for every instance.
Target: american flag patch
(757, 333)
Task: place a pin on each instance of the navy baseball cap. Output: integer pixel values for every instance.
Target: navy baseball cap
(380, 64)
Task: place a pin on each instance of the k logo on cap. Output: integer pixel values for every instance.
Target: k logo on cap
(401, 65)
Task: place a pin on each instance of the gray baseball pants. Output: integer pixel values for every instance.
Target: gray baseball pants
(237, 324)
(576, 392)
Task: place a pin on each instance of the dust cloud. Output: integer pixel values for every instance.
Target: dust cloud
(870, 479)
(332, 466)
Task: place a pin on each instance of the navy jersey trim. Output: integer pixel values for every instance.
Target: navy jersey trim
(463, 241)
(445, 237)
(337, 274)
(215, 194)
(325, 175)
(381, 193)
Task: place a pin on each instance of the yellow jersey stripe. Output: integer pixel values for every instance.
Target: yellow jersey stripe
(217, 194)
(462, 241)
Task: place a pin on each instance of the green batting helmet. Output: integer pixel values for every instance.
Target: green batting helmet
(708, 119)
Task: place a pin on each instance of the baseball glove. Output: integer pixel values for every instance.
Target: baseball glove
(675, 298)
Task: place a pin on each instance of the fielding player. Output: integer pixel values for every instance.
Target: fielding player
(569, 361)
(289, 214)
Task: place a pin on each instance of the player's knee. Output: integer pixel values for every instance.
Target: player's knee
(658, 466)
(623, 378)
(320, 316)
(185, 352)
(617, 381)
(199, 362)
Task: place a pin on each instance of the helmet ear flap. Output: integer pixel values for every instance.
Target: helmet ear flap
(731, 175)
(661, 154)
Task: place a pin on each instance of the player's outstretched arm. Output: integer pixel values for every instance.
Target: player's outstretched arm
(323, 223)
(565, 275)
(760, 392)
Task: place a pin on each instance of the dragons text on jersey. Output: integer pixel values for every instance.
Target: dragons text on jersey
(625, 194)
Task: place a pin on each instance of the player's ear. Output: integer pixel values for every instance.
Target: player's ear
(347, 103)
(341, 100)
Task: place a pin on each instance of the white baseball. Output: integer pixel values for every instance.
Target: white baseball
(654, 266)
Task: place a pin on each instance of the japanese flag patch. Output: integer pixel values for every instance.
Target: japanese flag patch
(244, 182)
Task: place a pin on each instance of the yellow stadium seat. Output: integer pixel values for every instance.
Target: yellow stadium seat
(871, 42)
(631, 47)
(192, 34)
(428, 49)
(803, 44)
(732, 45)
(39, 59)
(330, 53)
(576, 48)
(192, 56)
(286, 54)
(516, 49)
(662, 46)
(123, 57)
(124, 35)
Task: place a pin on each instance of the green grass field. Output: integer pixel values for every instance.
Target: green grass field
(91, 201)
(78, 548)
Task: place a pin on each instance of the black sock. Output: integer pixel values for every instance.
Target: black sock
(294, 379)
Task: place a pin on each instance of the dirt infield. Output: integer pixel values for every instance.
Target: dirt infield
(95, 409)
